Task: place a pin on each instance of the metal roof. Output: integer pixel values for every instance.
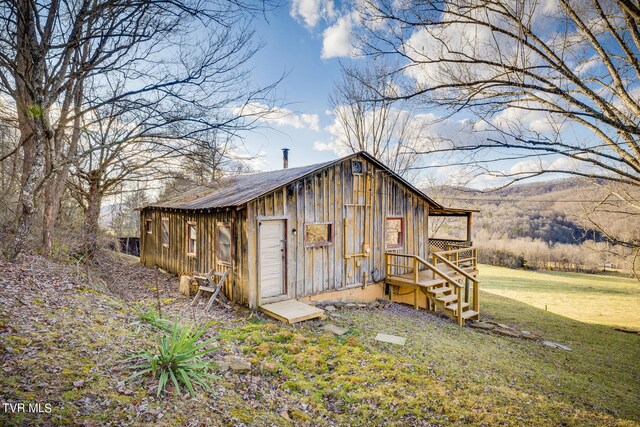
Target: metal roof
(241, 189)
(238, 190)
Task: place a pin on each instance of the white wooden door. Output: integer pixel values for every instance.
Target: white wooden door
(272, 258)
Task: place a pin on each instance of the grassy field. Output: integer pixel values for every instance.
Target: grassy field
(602, 299)
(65, 344)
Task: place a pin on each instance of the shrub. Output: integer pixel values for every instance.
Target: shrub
(177, 358)
(154, 319)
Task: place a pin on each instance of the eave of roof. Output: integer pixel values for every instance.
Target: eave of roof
(451, 212)
(241, 189)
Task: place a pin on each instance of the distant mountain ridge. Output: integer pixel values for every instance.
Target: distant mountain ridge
(551, 211)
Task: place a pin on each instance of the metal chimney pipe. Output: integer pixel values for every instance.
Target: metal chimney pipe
(285, 158)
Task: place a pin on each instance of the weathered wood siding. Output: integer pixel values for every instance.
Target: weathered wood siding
(357, 206)
(174, 258)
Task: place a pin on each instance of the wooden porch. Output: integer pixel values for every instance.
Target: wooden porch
(448, 279)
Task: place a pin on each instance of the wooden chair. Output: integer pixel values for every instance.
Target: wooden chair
(207, 283)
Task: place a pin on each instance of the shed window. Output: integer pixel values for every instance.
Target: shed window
(148, 226)
(224, 243)
(357, 167)
(165, 231)
(395, 232)
(192, 237)
(318, 234)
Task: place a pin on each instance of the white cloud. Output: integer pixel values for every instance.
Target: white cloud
(283, 117)
(312, 11)
(334, 146)
(526, 167)
(533, 121)
(586, 65)
(337, 40)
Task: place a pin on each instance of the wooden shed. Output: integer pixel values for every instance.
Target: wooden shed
(345, 229)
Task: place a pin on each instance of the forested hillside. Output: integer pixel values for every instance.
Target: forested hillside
(542, 224)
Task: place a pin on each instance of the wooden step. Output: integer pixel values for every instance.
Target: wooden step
(432, 282)
(437, 291)
(454, 306)
(469, 314)
(292, 311)
(448, 298)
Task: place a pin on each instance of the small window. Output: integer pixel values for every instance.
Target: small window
(318, 234)
(148, 226)
(395, 232)
(192, 237)
(165, 231)
(357, 168)
(224, 243)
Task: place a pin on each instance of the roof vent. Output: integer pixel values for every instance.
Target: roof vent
(285, 158)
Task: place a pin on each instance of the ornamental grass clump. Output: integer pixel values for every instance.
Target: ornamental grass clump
(178, 358)
(153, 318)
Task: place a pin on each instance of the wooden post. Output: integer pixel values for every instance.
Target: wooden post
(416, 271)
(387, 266)
(459, 313)
(469, 233)
(476, 298)
(466, 290)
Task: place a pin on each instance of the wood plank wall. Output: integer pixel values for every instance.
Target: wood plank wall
(175, 259)
(336, 195)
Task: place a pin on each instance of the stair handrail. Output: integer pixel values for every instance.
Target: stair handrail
(476, 282)
(458, 287)
(437, 271)
(450, 281)
(454, 267)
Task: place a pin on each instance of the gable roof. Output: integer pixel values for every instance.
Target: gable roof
(241, 189)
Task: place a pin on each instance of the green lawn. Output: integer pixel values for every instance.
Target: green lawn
(447, 375)
(592, 298)
(66, 347)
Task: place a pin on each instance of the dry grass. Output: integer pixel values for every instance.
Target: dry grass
(593, 298)
(65, 345)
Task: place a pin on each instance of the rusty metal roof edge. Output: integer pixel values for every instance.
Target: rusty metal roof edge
(243, 202)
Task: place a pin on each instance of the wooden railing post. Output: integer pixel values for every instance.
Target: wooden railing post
(386, 264)
(416, 271)
(476, 297)
(466, 290)
(459, 313)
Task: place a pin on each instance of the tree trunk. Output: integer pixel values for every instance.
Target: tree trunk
(55, 190)
(33, 121)
(29, 191)
(91, 219)
(52, 197)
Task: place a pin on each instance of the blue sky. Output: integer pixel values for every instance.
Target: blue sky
(294, 48)
(307, 40)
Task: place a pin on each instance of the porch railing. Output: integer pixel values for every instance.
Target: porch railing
(449, 244)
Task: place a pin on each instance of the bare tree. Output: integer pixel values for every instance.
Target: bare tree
(552, 82)
(187, 51)
(121, 144)
(213, 155)
(369, 119)
(9, 160)
(115, 147)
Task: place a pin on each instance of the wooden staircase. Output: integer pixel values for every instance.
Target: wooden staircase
(449, 281)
